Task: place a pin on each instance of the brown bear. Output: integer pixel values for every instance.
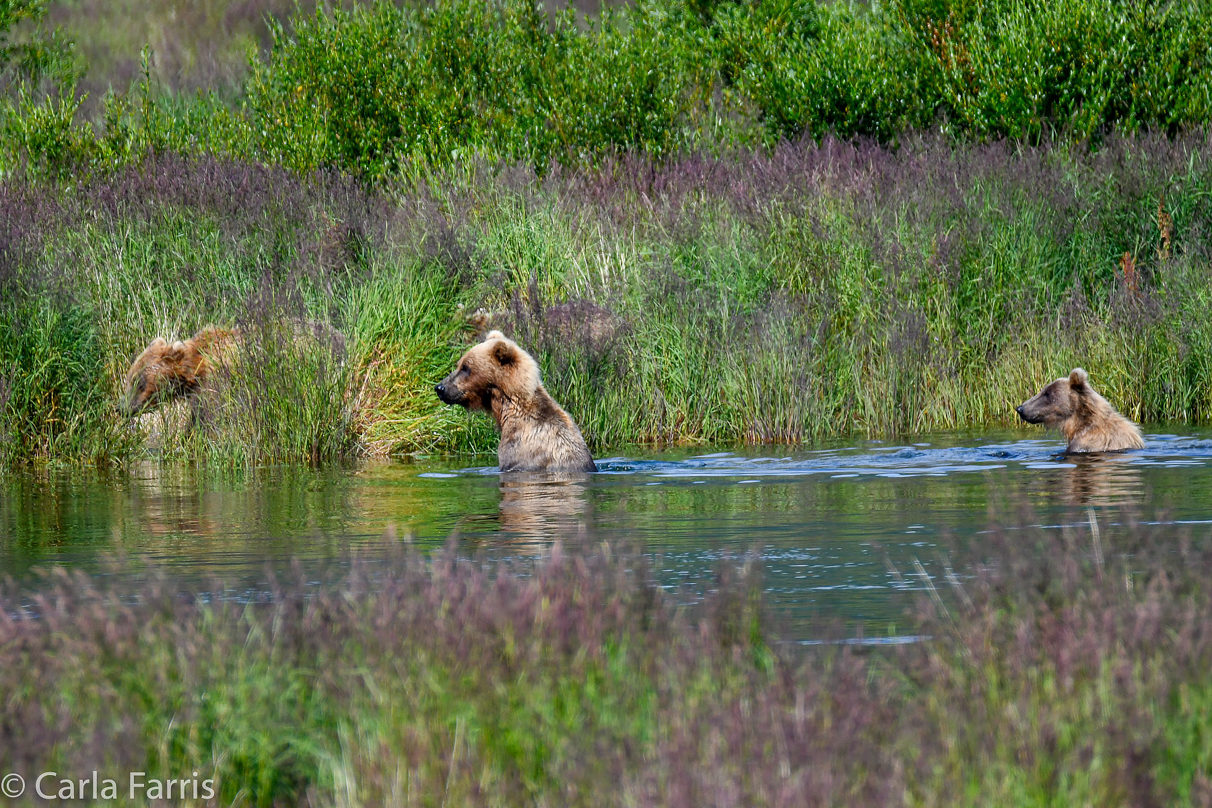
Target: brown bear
(500, 378)
(1085, 418)
(164, 371)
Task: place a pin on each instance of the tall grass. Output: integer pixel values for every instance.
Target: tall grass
(1059, 667)
(769, 296)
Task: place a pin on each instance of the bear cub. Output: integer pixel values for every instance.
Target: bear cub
(167, 371)
(1086, 419)
(500, 378)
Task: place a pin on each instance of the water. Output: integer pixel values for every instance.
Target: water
(838, 527)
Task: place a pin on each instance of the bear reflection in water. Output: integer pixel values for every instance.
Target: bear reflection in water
(542, 507)
(1101, 479)
(534, 509)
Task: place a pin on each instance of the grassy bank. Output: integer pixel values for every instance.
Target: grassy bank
(1068, 667)
(662, 171)
(762, 296)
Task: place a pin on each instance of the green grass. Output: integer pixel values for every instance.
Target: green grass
(813, 291)
(1052, 675)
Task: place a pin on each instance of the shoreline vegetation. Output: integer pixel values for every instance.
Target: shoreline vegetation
(1063, 667)
(896, 221)
(816, 289)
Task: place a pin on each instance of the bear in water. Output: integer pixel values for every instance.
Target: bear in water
(1086, 419)
(501, 379)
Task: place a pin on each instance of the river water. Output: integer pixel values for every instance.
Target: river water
(838, 527)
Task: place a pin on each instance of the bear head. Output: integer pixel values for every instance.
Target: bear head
(1060, 401)
(489, 374)
(162, 372)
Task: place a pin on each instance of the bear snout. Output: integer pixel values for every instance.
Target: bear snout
(129, 408)
(1026, 415)
(449, 395)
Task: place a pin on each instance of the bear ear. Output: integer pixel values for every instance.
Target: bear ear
(177, 351)
(159, 342)
(494, 334)
(504, 353)
(1078, 377)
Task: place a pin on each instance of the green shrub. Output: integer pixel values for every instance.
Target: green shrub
(823, 69)
(1021, 68)
(380, 89)
(370, 90)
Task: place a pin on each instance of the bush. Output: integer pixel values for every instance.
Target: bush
(383, 89)
(371, 90)
(829, 69)
(1022, 68)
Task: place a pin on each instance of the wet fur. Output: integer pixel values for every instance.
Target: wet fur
(500, 378)
(166, 371)
(1086, 419)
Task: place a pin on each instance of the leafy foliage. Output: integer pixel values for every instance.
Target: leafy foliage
(371, 89)
(381, 89)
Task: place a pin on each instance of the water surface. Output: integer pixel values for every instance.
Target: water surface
(838, 527)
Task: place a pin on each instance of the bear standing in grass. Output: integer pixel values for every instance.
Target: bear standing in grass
(1085, 418)
(165, 371)
(500, 378)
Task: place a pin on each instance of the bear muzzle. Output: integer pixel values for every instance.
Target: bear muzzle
(130, 406)
(1021, 409)
(448, 392)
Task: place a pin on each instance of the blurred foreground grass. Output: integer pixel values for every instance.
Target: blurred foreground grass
(1059, 667)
